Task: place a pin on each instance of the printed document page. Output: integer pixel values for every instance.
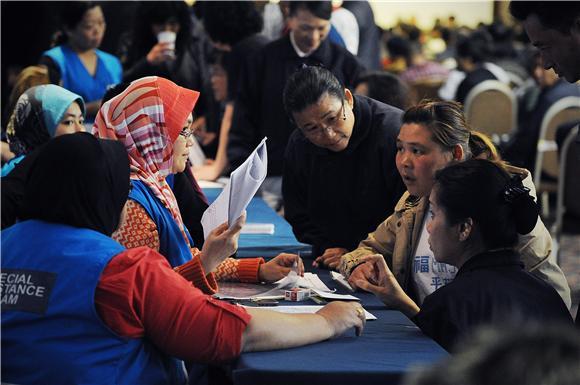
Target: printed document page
(237, 194)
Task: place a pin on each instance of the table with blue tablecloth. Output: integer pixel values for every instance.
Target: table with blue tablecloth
(264, 245)
(388, 348)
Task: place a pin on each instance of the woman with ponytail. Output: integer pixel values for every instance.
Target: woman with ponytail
(432, 136)
(477, 210)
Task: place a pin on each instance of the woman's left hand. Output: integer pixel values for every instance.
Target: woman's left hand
(279, 267)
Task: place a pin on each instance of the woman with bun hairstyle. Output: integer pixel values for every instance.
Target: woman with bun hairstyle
(434, 134)
(477, 209)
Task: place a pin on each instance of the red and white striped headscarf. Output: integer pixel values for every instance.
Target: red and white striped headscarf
(148, 117)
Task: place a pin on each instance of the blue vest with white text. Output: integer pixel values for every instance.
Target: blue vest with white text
(51, 332)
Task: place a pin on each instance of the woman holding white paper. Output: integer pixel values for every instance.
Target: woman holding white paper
(152, 118)
(130, 319)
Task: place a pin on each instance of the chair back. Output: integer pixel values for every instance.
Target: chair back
(569, 182)
(491, 107)
(563, 111)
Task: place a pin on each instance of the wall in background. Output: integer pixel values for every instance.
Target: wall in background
(466, 12)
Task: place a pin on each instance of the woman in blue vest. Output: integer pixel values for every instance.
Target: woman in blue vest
(76, 63)
(79, 308)
(41, 113)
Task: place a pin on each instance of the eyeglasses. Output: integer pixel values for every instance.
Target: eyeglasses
(186, 132)
(330, 123)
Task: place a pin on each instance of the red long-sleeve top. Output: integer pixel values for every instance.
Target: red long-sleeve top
(139, 295)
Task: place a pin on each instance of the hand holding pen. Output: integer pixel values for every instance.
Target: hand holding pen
(279, 267)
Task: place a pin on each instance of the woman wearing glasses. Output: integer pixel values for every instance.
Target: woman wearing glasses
(340, 176)
(152, 117)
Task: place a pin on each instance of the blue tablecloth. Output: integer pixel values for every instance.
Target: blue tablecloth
(389, 347)
(264, 245)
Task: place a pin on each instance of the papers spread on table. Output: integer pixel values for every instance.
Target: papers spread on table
(310, 309)
(309, 281)
(234, 198)
(250, 291)
(258, 228)
(341, 279)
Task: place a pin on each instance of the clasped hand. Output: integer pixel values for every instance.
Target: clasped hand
(375, 276)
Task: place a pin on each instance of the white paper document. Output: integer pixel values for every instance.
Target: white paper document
(237, 194)
(333, 296)
(310, 309)
(340, 279)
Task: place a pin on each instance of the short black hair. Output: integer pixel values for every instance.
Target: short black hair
(399, 46)
(558, 15)
(229, 22)
(515, 352)
(320, 9)
(307, 85)
(387, 88)
(477, 46)
(71, 13)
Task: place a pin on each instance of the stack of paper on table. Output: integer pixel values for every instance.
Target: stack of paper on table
(244, 291)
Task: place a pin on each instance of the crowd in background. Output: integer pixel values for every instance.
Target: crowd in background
(359, 117)
(444, 63)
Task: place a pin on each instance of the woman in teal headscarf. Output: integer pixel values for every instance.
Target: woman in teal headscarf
(41, 113)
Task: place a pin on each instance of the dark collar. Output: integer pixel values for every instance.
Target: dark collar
(498, 258)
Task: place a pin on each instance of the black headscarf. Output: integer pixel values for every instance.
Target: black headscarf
(80, 181)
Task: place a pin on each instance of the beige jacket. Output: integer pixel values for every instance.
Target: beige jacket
(398, 236)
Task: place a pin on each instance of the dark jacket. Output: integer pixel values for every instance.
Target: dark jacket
(490, 288)
(369, 42)
(238, 58)
(334, 199)
(259, 109)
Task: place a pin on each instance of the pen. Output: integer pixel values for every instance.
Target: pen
(295, 265)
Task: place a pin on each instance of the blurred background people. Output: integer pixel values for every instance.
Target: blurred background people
(75, 62)
(233, 27)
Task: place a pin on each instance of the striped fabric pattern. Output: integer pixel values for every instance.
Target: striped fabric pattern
(138, 117)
